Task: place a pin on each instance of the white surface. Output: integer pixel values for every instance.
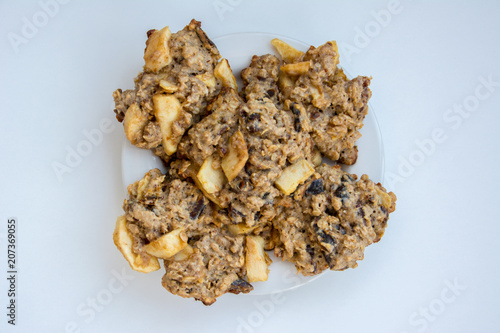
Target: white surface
(426, 60)
(238, 49)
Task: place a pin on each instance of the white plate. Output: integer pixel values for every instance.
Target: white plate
(239, 49)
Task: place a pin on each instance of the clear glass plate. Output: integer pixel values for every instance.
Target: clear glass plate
(238, 49)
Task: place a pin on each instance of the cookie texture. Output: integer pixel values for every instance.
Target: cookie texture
(244, 169)
(188, 78)
(330, 220)
(335, 105)
(210, 261)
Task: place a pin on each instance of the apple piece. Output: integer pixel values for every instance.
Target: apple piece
(157, 53)
(212, 180)
(293, 175)
(224, 73)
(123, 240)
(296, 69)
(134, 122)
(236, 157)
(240, 229)
(257, 261)
(167, 109)
(287, 52)
(167, 245)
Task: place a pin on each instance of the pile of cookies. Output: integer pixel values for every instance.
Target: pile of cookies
(244, 167)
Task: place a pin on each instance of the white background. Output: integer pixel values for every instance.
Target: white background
(425, 59)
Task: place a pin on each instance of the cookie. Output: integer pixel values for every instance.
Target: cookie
(330, 220)
(244, 170)
(212, 268)
(270, 142)
(335, 105)
(169, 218)
(180, 78)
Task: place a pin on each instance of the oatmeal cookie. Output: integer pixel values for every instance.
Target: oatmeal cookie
(212, 133)
(336, 106)
(173, 90)
(206, 261)
(159, 204)
(212, 268)
(330, 220)
(244, 170)
(271, 140)
(260, 79)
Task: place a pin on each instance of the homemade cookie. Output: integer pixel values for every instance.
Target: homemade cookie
(169, 218)
(330, 219)
(181, 76)
(244, 171)
(335, 105)
(240, 149)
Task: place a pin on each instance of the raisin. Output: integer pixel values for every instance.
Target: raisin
(347, 177)
(317, 186)
(193, 240)
(253, 128)
(342, 193)
(310, 250)
(330, 211)
(199, 206)
(340, 228)
(326, 239)
(257, 216)
(361, 212)
(243, 185)
(254, 116)
(294, 109)
(297, 125)
(297, 120)
(223, 130)
(234, 211)
(315, 115)
(240, 286)
(119, 116)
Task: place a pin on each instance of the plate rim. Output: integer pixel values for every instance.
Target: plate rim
(240, 35)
